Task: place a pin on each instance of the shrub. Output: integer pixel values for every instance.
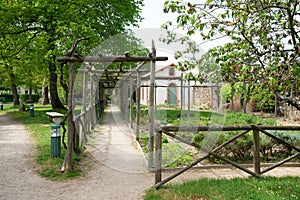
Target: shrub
(6, 98)
(25, 97)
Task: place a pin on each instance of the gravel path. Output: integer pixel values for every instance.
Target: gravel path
(106, 180)
(119, 171)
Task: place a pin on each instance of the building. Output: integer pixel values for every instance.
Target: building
(168, 81)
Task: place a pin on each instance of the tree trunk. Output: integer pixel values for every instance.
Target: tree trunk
(276, 111)
(232, 97)
(14, 90)
(55, 101)
(45, 96)
(30, 94)
(245, 97)
(61, 80)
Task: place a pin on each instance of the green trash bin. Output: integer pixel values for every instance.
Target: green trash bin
(55, 141)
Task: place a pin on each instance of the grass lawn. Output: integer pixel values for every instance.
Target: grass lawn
(39, 128)
(175, 156)
(266, 188)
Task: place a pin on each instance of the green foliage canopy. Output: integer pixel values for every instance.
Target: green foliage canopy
(35, 32)
(264, 37)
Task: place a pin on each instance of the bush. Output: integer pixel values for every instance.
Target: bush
(25, 97)
(6, 98)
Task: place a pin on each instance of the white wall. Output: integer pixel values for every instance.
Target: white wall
(161, 92)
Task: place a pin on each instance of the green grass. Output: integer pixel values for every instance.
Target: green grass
(174, 156)
(266, 188)
(204, 118)
(39, 128)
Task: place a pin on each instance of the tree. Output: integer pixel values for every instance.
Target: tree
(264, 36)
(10, 64)
(59, 23)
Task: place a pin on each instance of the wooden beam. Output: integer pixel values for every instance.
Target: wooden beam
(103, 71)
(103, 59)
(140, 65)
(163, 78)
(280, 163)
(227, 128)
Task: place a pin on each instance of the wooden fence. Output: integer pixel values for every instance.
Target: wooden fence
(86, 121)
(256, 130)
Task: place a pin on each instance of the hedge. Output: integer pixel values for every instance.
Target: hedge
(25, 97)
(6, 98)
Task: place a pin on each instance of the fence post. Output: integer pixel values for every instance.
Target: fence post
(91, 103)
(151, 109)
(131, 101)
(138, 105)
(84, 95)
(256, 157)
(158, 156)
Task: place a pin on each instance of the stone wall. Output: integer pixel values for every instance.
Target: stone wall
(206, 96)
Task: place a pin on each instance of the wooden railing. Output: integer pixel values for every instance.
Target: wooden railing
(256, 129)
(86, 121)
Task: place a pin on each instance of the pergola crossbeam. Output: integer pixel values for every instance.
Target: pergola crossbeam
(105, 59)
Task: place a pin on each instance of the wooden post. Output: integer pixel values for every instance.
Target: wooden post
(121, 95)
(131, 102)
(101, 99)
(138, 105)
(189, 99)
(181, 96)
(218, 94)
(126, 100)
(91, 103)
(151, 110)
(71, 126)
(84, 102)
(256, 158)
(90, 119)
(96, 100)
(158, 157)
(155, 89)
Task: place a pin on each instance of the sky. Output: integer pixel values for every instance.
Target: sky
(154, 17)
(153, 14)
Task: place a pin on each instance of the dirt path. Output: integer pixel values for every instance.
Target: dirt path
(120, 174)
(119, 171)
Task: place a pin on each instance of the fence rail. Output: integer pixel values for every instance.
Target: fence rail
(256, 130)
(86, 121)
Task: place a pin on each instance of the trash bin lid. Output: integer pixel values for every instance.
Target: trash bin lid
(55, 126)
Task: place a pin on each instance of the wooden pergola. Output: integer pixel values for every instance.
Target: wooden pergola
(109, 79)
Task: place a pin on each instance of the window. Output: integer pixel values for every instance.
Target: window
(171, 71)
